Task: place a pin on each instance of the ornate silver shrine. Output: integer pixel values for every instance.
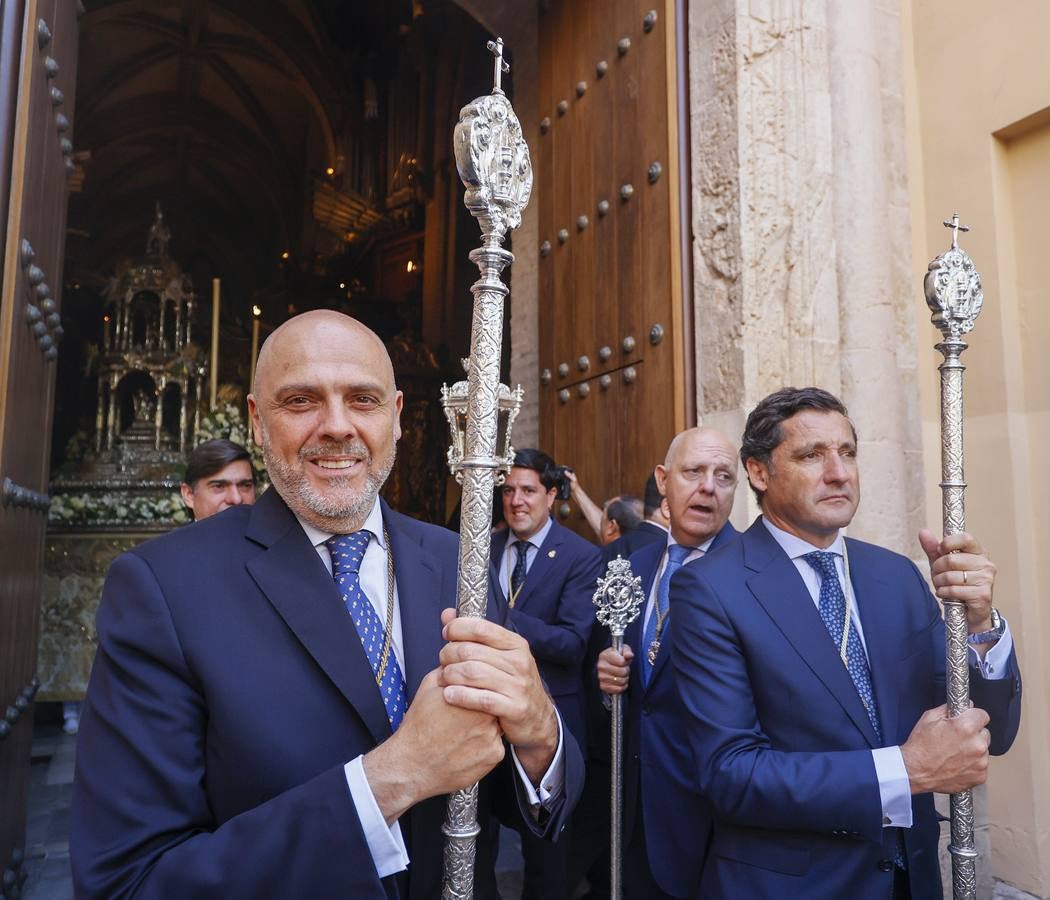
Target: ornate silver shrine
(493, 162)
(954, 295)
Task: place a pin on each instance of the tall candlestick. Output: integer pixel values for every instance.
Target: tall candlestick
(256, 313)
(214, 340)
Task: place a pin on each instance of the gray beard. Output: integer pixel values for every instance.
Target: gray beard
(337, 514)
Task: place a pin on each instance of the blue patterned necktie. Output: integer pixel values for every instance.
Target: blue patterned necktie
(833, 612)
(676, 556)
(517, 577)
(348, 550)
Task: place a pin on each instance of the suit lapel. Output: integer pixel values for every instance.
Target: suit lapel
(880, 616)
(645, 563)
(295, 582)
(779, 588)
(416, 573)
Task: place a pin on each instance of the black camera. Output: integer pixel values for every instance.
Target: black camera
(561, 481)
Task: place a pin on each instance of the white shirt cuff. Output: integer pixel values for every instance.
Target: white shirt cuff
(995, 663)
(553, 779)
(894, 787)
(385, 842)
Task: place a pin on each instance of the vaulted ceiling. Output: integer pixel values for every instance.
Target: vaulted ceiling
(226, 111)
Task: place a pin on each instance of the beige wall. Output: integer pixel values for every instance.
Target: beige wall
(978, 104)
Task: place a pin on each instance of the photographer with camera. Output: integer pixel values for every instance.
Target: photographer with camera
(546, 574)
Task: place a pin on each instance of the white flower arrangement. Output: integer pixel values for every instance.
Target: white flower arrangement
(227, 421)
(116, 508)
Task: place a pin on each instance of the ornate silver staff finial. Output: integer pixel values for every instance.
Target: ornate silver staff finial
(618, 598)
(493, 162)
(954, 294)
(500, 66)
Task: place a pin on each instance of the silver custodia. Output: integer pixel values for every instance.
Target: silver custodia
(581, 88)
(628, 344)
(564, 395)
(626, 191)
(604, 353)
(27, 254)
(51, 67)
(563, 370)
(604, 381)
(583, 389)
(43, 34)
(563, 107)
(545, 377)
(601, 68)
(623, 45)
(655, 171)
(603, 207)
(563, 235)
(649, 21)
(630, 374)
(582, 222)
(545, 248)
(656, 334)
(583, 363)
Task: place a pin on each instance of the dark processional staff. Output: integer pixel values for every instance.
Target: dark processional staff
(493, 162)
(954, 294)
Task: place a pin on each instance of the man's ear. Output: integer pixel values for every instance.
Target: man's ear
(757, 473)
(187, 495)
(399, 402)
(552, 494)
(253, 417)
(661, 480)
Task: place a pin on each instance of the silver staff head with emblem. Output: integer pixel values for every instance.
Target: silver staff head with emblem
(953, 287)
(492, 157)
(619, 596)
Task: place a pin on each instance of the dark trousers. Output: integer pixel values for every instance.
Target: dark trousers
(546, 876)
(638, 881)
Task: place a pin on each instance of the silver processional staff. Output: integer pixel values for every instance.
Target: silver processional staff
(954, 294)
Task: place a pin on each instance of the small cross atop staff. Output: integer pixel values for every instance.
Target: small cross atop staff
(952, 223)
(499, 66)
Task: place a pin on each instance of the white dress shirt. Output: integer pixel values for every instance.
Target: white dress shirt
(894, 784)
(650, 605)
(386, 843)
(509, 557)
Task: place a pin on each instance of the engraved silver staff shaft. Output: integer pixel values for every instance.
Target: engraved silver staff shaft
(618, 598)
(493, 162)
(953, 293)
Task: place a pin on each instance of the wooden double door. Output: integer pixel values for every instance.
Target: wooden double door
(38, 56)
(615, 334)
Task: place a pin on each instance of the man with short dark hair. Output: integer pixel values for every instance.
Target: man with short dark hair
(283, 696)
(812, 669)
(620, 516)
(545, 574)
(652, 530)
(219, 474)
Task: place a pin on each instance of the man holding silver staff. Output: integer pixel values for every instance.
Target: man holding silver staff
(666, 822)
(812, 669)
(282, 694)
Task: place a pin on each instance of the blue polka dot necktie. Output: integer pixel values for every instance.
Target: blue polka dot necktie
(833, 611)
(676, 556)
(348, 550)
(517, 577)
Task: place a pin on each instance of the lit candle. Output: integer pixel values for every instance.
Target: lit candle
(214, 340)
(256, 313)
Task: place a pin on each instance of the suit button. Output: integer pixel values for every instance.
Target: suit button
(885, 865)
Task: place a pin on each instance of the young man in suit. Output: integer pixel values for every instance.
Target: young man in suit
(545, 575)
(281, 695)
(812, 667)
(666, 822)
(219, 474)
(651, 531)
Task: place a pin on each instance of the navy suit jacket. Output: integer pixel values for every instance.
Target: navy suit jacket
(229, 689)
(555, 613)
(781, 739)
(630, 543)
(659, 773)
